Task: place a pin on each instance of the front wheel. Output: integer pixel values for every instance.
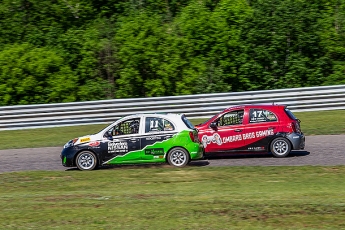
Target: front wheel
(178, 157)
(280, 147)
(86, 160)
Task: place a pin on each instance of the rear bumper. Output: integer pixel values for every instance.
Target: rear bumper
(196, 151)
(297, 140)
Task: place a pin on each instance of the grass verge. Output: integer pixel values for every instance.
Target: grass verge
(313, 123)
(163, 197)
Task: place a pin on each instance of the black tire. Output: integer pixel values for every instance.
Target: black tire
(178, 157)
(86, 160)
(280, 147)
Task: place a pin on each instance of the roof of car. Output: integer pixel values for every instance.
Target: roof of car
(266, 106)
(171, 115)
(162, 114)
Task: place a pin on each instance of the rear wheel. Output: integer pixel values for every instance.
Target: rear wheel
(280, 147)
(178, 157)
(86, 160)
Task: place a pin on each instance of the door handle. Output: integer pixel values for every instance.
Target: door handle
(271, 128)
(238, 130)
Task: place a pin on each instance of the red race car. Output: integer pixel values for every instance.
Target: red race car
(252, 128)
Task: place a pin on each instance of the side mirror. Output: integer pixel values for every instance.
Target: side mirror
(213, 125)
(109, 135)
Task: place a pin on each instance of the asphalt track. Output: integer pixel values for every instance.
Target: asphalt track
(320, 150)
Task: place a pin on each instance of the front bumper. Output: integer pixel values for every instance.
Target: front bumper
(67, 156)
(297, 140)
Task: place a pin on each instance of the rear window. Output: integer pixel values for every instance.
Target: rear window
(290, 114)
(187, 122)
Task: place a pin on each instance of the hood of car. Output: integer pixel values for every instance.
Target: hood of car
(87, 139)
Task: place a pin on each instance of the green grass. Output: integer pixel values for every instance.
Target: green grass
(323, 123)
(163, 197)
(313, 123)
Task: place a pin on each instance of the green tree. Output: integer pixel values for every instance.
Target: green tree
(209, 42)
(283, 45)
(30, 75)
(41, 22)
(76, 50)
(83, 50)
(139, 40)
(333, 40)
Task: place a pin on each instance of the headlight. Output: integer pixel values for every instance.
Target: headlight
(70, 143)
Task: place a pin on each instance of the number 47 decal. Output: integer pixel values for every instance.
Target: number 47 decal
(257, 113)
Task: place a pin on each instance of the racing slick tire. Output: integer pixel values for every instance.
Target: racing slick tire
(178, 157)
(86, 160)
(280, 147)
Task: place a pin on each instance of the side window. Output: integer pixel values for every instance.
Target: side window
(156, 124)
(153, 124)
(231, 118)
(168, 126)
(126, 127)
(261, 115)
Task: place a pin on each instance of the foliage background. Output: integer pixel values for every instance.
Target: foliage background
(77, 50)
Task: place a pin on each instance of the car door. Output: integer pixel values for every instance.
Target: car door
(122, 141)
(226, 135)
(157, 130)
(262, 125)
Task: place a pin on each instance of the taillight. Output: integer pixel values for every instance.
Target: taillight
(295, 127)
(298, 128)
(191, 135)
(194, 136)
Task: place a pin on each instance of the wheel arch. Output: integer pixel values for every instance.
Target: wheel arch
(166, 155)
(90, 150)
(287, 139)
(280, 135)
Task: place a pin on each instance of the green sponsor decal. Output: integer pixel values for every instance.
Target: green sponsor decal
(156, 151)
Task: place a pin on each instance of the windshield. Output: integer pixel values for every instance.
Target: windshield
(209, 119)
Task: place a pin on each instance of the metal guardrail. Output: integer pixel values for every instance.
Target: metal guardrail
(193, 106)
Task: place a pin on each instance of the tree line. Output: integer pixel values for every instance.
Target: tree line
(78, 50)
